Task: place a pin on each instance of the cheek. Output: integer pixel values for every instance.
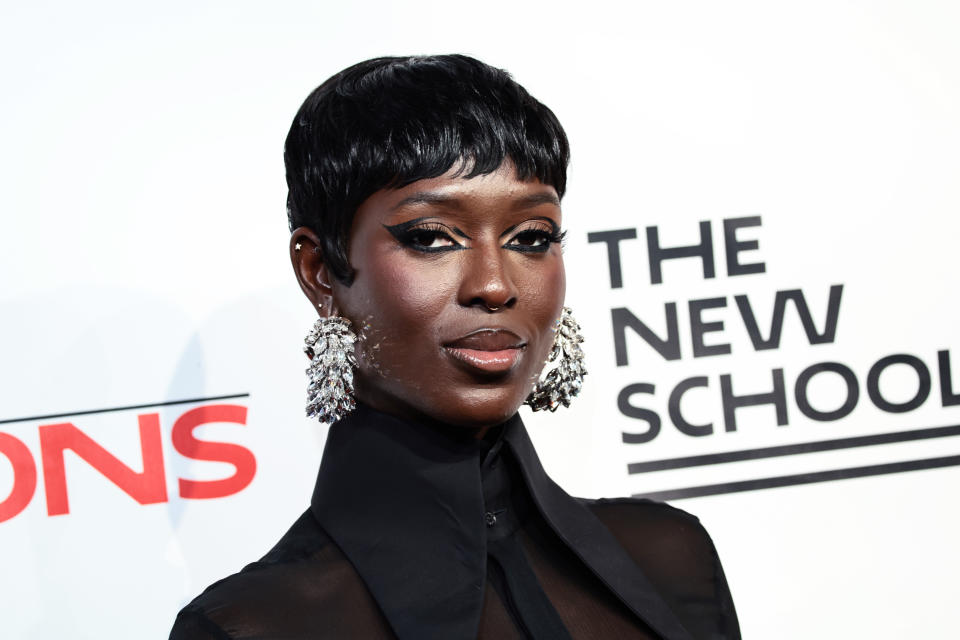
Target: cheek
(412, 292)
(396, 313)
(545, 290)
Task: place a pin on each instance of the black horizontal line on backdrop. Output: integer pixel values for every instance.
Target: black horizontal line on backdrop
(126, 408)
(801, 478)
(793, 449)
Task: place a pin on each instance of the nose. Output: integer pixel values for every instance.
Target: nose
(486, 281)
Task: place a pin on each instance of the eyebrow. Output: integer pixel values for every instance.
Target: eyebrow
(540, 198)
(424, 197)
(431, 197)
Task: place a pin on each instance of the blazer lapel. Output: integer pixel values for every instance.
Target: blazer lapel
(592, 542)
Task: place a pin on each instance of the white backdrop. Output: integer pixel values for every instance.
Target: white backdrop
(143, 262)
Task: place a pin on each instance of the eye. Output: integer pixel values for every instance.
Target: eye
(535, 239)
(430, 239)
(426, 238)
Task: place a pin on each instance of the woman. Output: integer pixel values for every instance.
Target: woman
(424, 199)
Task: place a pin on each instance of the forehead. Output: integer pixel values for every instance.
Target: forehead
(484, 197)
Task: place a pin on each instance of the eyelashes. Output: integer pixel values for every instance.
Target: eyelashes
(429, 237)
(434, 237)
(536, 240)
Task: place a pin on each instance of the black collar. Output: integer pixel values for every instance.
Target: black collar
(405, 504)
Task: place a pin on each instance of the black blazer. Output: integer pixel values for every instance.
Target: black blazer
(416, 532)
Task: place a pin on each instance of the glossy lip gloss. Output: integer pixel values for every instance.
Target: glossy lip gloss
(490, 361)
(491, 351)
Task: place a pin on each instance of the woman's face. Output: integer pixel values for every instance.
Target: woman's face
(458, 287)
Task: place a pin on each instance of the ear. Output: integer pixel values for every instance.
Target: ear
(311, 270)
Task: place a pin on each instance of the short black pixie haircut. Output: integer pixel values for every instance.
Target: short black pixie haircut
(388, 122)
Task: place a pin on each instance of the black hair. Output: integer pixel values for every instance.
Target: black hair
(388, 122)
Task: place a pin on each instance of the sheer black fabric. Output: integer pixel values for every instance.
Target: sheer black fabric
(415, 532)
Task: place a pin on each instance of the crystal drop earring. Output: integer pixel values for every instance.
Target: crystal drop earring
(562, 382)
(330, 374)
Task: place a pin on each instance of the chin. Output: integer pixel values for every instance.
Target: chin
(481, 408)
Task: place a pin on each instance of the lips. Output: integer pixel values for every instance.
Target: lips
(490, 351)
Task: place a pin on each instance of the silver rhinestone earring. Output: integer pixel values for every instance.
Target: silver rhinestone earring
(330, 374)
(562, 382)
